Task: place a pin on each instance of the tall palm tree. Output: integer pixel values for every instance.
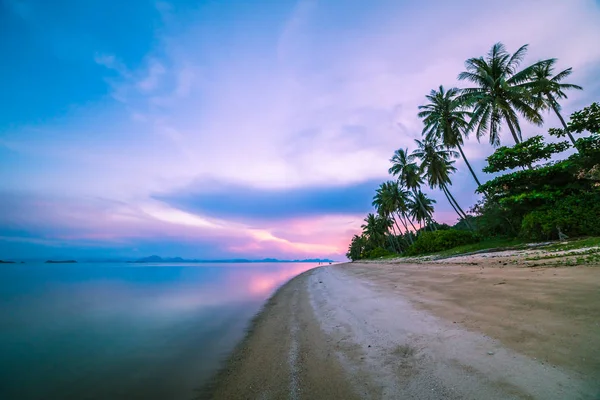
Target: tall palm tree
(393, 199)
(500, 94)
(385, 206)
(400, 197)
(437, 165)
(375, 228)
(400, 161)
(548, 89)
(421, 208)
(445, 119)
(371, 229)
(407, 172)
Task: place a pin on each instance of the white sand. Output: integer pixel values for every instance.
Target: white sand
(408, 353)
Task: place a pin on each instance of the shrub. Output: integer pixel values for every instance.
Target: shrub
(431, 242)
(575, 215)
(379, 252)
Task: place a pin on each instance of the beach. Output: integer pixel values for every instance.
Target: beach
(457, 329)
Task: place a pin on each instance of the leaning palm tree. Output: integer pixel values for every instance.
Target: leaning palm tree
(407, 172)
(385, 206)
(445, 119)
(437, 165)
(393, 199)
(400, 198)
(548, 89)
(500, 93)
(421, 208)
(375, 229)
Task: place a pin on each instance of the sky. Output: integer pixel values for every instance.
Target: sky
(225, 129)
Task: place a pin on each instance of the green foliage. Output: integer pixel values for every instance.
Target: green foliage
(431, 242)
(590, 145)
(510, 188)
(575, 215)
(587, 119)
(523, 154)
(378, 253)
(533, 203)
(357, 247)
(501, 91)
(581, 121)
(496, 242)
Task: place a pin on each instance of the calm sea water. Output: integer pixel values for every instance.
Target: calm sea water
(124, 331)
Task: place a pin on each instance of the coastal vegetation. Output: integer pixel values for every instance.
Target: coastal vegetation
(542, 187)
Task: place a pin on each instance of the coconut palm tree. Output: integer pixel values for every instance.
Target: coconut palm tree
(500, 94)
(445, 119)
(437, 165)
(356, 247)
(399, 161)
(421, 208)
(375, 229)
(548, 89)
(407, 172)
(400, 198)
(385, 206)
(393, 199)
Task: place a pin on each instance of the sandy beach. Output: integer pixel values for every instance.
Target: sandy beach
(434, 330)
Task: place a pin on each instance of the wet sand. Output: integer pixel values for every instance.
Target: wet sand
(423, 331)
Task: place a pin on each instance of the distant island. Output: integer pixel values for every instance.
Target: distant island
(158, 259)
(60, 261)
(6, 262)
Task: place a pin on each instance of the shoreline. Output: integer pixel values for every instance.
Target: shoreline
(386, 330)
(208, 389)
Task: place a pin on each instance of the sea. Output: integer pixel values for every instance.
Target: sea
(115, 331)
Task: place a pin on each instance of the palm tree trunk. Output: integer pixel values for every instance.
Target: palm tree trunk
(391, 242)
(462, 213)
(562, 121)
(411, 223)
(512, 130)
(397, 246)
(406, 230)
(452, 204)
(399, 233)
(468, 165)
(424, 212)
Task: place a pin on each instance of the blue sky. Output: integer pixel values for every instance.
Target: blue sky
(236, 128)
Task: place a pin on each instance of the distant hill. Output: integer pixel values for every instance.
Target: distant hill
(158, 259)
(60, 261)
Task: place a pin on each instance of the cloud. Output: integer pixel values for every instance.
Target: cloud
(152, 79)
(292, 109)
(233, 202)
(48, 222)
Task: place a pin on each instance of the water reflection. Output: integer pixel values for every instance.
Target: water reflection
(99, 331)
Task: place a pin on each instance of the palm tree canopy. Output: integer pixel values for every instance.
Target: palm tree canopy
(399, 160)
(436, 162)
(405, 169)
(547, 87)
(383, 201)
(501, 92)
(389, 198)
(444, 117)
(423, 211)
